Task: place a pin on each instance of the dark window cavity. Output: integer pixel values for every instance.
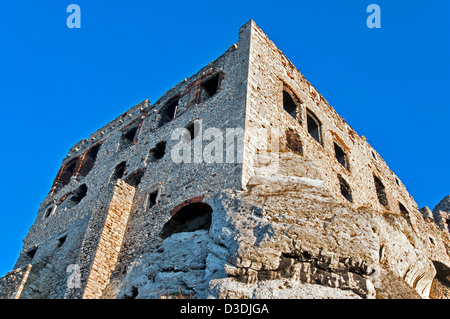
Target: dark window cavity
(381, 191)
(153, 198)
(190, 218)
(78, 195)
(49, 211)
(193, 128)
(209, 87)
(341, 156)
(157, 152)
(134, 179)
(374, 155)
(119, 171)
(291, 103)
(61, 241)
(314, 126)
(128, 137)
(30, 254)
(403, 210)
(89, 160)
(346, 191)
(168, 111)
(67, 172)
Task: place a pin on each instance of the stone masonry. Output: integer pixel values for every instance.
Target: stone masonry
(239, 182)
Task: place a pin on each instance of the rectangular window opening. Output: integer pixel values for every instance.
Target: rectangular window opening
(153, 198)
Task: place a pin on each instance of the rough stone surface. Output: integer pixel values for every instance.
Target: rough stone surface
(290, 202)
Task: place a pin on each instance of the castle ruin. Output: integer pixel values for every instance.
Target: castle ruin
(239, 182)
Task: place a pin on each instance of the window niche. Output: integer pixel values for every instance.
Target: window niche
(209, 87)
(193, 128)
(153, 197)
(168, 111)
(31, 253)
(77, 196)
(61, 240)
(49, 211)
(341, 156)
(119, 172)
(190, 218)
(134, 179)
(381, 191)
(346, 191)
(89, 159)
(67, 171)
(128, 137)
(403, 210)
(291, 103)
(157, 152)
(314, 126)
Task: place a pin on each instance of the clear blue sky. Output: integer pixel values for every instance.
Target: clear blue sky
(58, 85)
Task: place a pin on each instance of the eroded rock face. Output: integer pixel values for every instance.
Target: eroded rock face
(287, 237)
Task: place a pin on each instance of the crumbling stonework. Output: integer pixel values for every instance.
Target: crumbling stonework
(278, 198)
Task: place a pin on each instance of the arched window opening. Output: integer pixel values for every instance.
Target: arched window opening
(157, 152)
(192, 217)
(134, 179)
(346, 191)
(440, 286)
(89, 160)
(314, 126)
(209, 87)
(381, 191)
(168, 111)
(67, 172)
(291, 103)
(128, 137)
(119, 171)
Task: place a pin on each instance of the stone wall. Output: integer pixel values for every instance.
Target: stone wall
(11, 285)
(110, 240)
(304, 207)
(270, 71)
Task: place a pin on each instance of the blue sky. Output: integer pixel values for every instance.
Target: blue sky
(58, 85)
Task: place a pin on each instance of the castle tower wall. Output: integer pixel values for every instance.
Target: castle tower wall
(271, 73)
(140, 147)
(238, 176)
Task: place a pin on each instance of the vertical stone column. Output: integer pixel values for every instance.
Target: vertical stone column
(109, 241)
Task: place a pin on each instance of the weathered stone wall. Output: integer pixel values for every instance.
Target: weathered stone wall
(11, 285)
(110, 240)
(269, 70)
(290, 217)
(81, 221)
